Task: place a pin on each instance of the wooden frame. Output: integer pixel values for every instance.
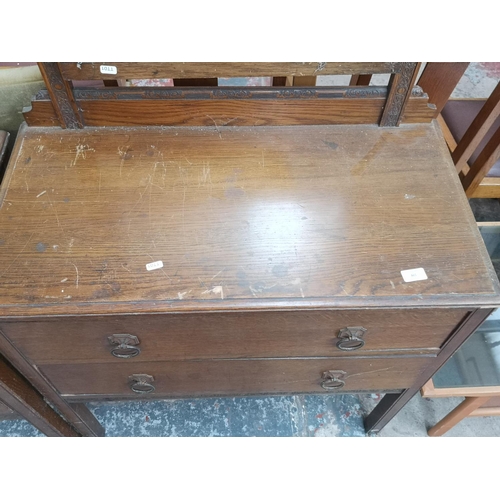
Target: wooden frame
(67, 107)
(473, 406)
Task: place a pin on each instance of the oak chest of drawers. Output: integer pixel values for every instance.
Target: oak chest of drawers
(196, 261)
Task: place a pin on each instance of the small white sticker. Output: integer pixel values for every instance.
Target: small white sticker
(109, 70)
(414, 274)
(154, 265)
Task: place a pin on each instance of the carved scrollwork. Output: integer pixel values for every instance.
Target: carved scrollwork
(400, 87)
(163, 94)
(232, 94)
(92, 94)
(296, 93)
(365, 92)
(59, 93)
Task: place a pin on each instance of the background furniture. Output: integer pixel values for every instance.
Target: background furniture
(475, 126)
(471, 128)
(473, 371)
(209, 241)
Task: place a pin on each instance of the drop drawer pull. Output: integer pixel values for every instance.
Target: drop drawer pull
(141, 383)
(125, 343)
(351, 338)
(332, 380)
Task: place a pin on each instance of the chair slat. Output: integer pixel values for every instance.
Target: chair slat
(477, 130)
(486, 159)
(438, 80)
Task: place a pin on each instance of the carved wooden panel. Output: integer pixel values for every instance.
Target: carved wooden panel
(401, 85)
(61, 95)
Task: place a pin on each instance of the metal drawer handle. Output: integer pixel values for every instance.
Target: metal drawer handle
(125, 344)
(333, 380)
(141, 383)
(351, 338)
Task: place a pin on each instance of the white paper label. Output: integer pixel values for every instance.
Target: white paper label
(109, 70)
(414, 274)
(154, 265)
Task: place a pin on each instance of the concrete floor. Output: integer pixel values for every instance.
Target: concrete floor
(306, 415)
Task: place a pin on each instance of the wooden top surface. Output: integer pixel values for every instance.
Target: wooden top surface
(242, 218)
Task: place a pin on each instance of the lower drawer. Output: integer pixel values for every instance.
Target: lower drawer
(235, 377)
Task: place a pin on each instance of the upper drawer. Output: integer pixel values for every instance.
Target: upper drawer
(232, 335)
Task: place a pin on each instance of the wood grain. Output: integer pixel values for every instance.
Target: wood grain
(208, 378)
(303, 202)
(439, 80)
(125, 70)
(489, 188)
(231, 112)
(236, 335)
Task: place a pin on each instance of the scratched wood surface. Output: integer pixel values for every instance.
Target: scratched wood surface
(242, 218)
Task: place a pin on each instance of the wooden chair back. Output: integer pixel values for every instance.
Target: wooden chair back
(69, 107)
(478, 149)
(472, 175)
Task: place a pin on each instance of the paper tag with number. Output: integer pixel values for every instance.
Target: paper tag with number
(109, 70)
(414, 274)
(154, 265)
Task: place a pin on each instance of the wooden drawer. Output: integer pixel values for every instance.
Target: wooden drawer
(205, 378)
(231, 335)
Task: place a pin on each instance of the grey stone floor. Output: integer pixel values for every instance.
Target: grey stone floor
(282, 416)
(279, 416)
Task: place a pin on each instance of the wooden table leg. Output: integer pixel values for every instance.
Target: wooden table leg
(463, 410)
(20, 396)
(391, 404)
(77, 415)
